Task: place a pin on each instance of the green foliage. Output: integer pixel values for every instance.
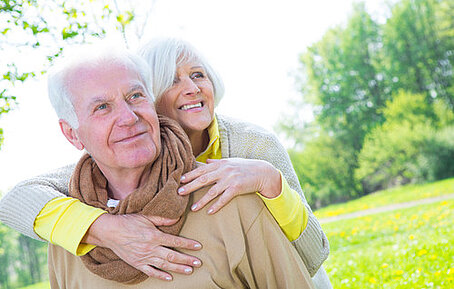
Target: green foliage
(356, 79)
(407, 248)
(325, 161)
(23, 261)
(408, 147)
(419, 48)
(42, 285)
(41, 30)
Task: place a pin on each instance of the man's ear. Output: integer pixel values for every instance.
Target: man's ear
(70, 134)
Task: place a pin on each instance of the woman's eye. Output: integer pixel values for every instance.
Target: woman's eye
(197, 75)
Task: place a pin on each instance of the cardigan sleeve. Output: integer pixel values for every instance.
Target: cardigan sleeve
(239, 139)
(312, 245)
(20, 206)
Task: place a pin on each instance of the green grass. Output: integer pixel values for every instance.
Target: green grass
(391, 196)
(42, 285)
(408, 248)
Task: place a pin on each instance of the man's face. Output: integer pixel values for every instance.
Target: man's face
(118, 124)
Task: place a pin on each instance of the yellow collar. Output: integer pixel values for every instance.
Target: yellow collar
(213, 150)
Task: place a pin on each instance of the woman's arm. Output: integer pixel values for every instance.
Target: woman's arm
(20, 206)
(134, 238)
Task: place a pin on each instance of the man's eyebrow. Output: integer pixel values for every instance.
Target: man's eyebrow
(136, 87)
(98, 99)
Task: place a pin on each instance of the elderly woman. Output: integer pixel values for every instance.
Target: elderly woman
(133, 165)
(187, 90)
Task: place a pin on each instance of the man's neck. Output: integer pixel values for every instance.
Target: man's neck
(120, 183)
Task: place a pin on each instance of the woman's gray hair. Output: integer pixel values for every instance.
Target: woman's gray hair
(89, 56)
(164, 55)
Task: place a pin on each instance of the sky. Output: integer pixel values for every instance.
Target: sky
(253, 44)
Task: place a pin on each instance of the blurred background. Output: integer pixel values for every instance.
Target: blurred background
(361, 93)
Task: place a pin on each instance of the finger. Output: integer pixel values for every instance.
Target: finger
(223, 200)
(161, 221)
(184, 262)
(212, 193)
(165, 265)
(202, 170)
(200, 182)
(179, 242)
(155, 273)
(213, 161)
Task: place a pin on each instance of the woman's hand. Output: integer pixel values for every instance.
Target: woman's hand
(230, 178)
(137, 241)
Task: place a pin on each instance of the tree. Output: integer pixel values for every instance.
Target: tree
(352, 73)
(42, 29)
(419, 48)
(411, 146)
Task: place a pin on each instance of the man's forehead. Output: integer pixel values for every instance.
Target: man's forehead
(104, 81)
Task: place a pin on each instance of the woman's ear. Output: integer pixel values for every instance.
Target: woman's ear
(70, 134)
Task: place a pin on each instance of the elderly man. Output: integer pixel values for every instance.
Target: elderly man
(132, 166)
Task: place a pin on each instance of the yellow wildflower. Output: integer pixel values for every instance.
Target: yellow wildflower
(422, 252)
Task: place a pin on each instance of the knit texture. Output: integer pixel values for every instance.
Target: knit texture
(244, 140)
(156, 196)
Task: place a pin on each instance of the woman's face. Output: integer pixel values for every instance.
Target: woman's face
(190, 100)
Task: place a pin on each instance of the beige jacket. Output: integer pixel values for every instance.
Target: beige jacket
(247, 251)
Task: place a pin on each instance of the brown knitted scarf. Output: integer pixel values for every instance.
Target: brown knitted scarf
(157, 196)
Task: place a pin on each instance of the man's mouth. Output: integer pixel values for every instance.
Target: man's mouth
(190, 106)
(131, 138)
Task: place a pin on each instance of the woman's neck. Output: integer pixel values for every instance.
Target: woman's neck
(199, 141)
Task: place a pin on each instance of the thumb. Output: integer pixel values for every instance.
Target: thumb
(161, 221)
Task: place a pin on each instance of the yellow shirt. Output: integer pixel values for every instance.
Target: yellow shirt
(55, 222)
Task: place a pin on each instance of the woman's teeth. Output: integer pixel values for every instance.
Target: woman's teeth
(189, 106)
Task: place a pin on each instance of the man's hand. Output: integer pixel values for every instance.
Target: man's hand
(137, 241)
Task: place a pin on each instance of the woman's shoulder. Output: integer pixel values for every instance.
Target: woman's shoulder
(236, 127)
(243, 139)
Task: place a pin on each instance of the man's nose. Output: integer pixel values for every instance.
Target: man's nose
(127, 116)
(190, 88)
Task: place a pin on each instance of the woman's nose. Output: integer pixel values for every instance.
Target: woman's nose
(190, 88)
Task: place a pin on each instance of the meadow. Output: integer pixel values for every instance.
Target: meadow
(391, 196)
(407, 248)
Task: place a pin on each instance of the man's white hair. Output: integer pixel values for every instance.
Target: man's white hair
(164, 55)
(89, 56)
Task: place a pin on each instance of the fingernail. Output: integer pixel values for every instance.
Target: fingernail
(188, 270)
(196, 263)
(180, 190)
(197, 246)
(210, 211)
(182, 178)
(168, 278)
(194, 207)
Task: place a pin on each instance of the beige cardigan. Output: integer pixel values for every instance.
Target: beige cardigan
(20, 206)
(247, 251)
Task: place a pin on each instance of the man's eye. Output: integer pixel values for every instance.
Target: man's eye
(101, 107)
(136, 95)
